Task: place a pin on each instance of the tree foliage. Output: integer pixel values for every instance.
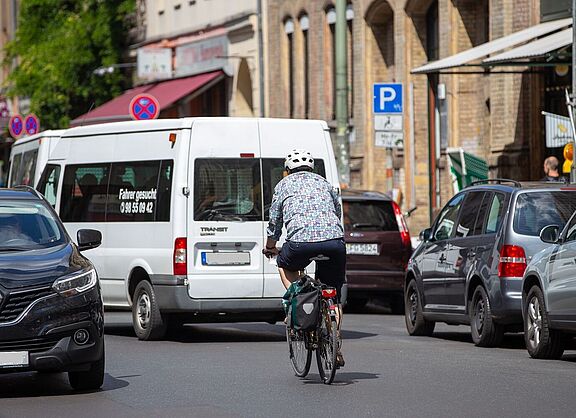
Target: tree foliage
(58, 45)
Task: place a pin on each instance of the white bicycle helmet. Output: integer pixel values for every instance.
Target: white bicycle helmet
(298, 158)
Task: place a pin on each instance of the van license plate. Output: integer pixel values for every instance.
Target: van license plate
(362, 249)
(13, 359)
(226, 258)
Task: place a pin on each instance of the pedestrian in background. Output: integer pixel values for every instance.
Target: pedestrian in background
(551, 170)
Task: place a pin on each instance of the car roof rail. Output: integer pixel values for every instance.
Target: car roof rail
(29, 189)
(497, 181)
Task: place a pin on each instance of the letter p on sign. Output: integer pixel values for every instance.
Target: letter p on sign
(388, 98)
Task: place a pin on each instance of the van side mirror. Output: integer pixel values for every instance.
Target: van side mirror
(550, 234)
(425, 234)
(88, 239)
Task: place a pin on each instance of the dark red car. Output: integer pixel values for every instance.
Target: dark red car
(378, 248)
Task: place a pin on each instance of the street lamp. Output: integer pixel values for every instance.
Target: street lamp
(109, 69)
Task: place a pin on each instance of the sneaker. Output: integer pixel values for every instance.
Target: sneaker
(340, 360)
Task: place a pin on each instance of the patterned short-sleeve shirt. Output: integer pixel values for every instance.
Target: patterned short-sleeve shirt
(309, 207)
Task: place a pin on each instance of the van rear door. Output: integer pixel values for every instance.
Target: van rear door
(279, 137)
(225, 210)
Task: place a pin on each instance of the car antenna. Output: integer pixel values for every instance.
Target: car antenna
(89, 110)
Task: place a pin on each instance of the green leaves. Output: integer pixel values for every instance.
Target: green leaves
(58, 45)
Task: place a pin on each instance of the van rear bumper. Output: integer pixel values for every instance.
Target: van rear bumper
(175, 299)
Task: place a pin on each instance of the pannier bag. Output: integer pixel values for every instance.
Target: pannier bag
(302, 306)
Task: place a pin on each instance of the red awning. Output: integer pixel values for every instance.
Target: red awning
(166, 92)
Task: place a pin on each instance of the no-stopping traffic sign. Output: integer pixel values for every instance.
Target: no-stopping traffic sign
(16, 126)
(32, 124)
(144, 107)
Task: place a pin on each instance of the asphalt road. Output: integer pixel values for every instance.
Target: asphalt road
(242, 370)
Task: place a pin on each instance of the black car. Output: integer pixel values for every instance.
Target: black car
(51, 314)
(469, 268)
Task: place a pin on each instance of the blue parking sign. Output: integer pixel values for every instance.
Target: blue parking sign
(387, 98)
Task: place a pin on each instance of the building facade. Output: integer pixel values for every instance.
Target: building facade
(197, 58)
(491, 111)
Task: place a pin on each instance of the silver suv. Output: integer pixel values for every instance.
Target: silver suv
(469, 268)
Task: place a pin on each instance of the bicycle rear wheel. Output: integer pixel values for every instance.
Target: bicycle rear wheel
(300, 351)
(327, 345)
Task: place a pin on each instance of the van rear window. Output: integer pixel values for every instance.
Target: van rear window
(227, 189)
(273, 172)
(535, 210)
(369, 216)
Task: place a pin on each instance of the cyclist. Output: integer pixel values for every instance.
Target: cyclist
(310, 208)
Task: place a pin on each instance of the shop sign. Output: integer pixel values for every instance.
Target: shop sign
(154, 63)
(201, 56)
(558, 130)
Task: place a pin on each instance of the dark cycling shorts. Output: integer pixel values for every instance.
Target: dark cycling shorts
(295, 256)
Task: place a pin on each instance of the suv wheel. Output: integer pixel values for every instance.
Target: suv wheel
(541, 341)
(485, 332)
(91, 379)
(415, 322)
(146, 318)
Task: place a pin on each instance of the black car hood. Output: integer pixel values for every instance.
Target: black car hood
(39, 267)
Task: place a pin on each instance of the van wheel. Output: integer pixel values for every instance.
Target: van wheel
(146, 318)
(91, 379)
(541, 341)
(485, 332)
(415, 322)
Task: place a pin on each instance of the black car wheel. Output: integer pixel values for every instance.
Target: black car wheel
(415, 323)
(541, 341)
(146, 318)
(91, 379)
(485, 332)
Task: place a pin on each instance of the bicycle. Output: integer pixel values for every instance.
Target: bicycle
(323, 339)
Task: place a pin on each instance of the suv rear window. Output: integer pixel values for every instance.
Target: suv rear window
(369, 216)
(535, 210)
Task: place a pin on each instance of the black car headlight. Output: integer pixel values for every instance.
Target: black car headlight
(74, 285)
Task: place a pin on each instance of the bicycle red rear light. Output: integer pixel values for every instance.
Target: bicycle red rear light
(328, 293)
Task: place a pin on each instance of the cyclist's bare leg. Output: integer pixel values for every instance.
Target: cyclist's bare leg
(288, 276)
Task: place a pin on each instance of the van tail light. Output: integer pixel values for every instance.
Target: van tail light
(180, 257)
(329, 293)
(512, 261)
(404, 234)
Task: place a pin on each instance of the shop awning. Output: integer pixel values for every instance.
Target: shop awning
(537, 48)
(465, 168)
(166, 92)
(474, 54)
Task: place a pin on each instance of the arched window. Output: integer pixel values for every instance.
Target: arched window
(350, 52)
(289, 31)
(331, 22)
(305, 26)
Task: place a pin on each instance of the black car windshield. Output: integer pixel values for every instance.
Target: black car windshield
(535, 210)
(28, 225)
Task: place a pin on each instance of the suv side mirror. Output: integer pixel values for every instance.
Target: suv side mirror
(88, 239)
(550, 234)
(425, 234)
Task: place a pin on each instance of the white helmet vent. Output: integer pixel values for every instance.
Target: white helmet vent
(299, 158)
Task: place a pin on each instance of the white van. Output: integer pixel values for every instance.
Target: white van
(182, 205)
(28, 157)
